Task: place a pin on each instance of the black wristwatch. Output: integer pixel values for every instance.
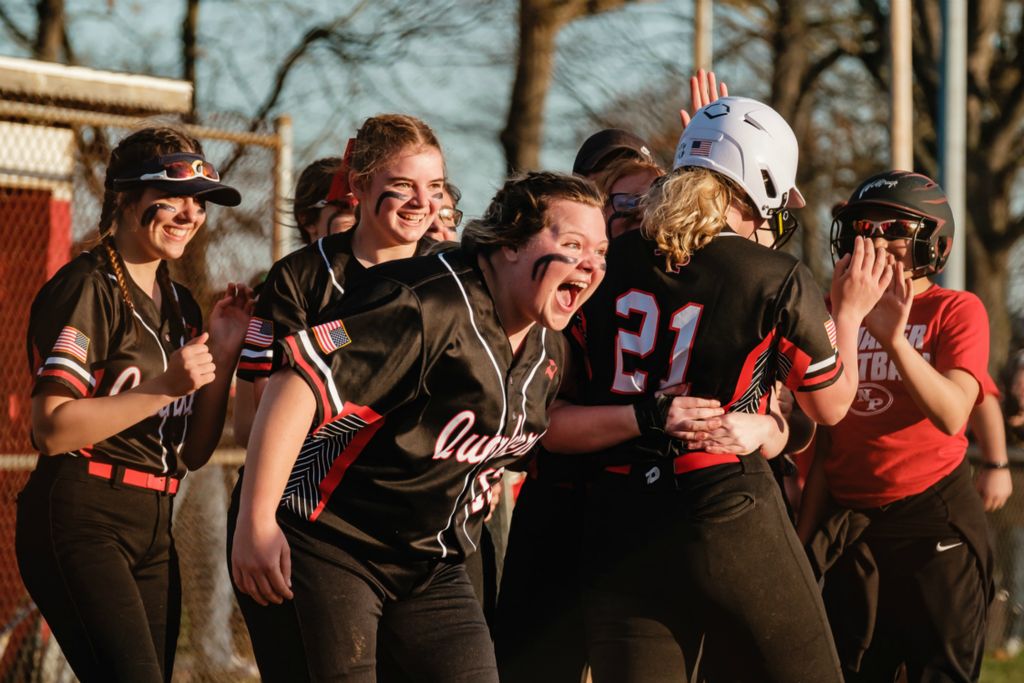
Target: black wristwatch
(1005, 465)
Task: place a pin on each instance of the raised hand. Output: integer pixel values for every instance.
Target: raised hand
(229, 319)
(887, 321)
(860, 279)
(703, 91)
(189, 368)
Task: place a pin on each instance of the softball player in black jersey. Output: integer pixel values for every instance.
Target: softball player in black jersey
(538, 621)
(129, 395)
(690, 558)
(388, 153)
(373, 453)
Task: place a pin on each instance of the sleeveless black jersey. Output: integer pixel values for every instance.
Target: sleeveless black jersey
(84, 337)
(298, 288)
(420, 406)
(729, 323)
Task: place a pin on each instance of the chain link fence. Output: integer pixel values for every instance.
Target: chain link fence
(52, 164)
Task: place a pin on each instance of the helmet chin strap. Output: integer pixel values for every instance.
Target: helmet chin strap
(781, 225)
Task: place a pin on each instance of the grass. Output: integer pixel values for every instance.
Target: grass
(1002, 672)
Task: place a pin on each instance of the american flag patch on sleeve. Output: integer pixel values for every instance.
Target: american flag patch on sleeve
(331, 336)
(72, 342)
(260, 333)
(830, 330)
(700, 148)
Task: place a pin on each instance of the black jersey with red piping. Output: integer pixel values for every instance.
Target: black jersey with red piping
(298, 288)
(729, 323)
(420, 406)
(83, 336)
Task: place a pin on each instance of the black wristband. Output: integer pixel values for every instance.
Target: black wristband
(651, 414)
(996, 465)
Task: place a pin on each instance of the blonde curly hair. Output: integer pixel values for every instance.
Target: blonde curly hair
(686, 211)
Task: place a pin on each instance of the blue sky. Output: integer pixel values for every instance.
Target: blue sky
(460, 84)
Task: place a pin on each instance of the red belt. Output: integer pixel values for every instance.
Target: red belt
(688, 462)
(137, 478)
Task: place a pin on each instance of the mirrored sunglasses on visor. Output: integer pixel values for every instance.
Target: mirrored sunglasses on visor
(182, 173)
(173, 167)
(889, 228)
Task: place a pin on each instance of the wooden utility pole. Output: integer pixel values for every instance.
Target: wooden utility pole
(902, 129)
(702, 14)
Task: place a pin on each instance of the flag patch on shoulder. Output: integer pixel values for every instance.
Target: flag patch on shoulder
(72, 342)
(260, 333)
(331, 336)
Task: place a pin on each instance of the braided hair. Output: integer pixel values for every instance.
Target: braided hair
(138, 147)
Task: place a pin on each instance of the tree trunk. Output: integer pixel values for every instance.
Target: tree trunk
(791, 71)
(194, 268)
(539, 23)
(189, 49)
(50, 35)
(521, 137)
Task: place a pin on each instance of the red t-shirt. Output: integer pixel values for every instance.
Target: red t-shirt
(988, 387)
(885, 448)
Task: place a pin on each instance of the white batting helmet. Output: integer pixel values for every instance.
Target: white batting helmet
(748, 142)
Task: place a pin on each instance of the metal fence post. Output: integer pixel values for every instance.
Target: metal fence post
(281, 240)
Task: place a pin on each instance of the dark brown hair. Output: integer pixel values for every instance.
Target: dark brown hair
(518, 211)
(138, 147)
(381, 137)
(314, 184)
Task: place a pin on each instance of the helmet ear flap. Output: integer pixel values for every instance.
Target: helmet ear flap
(930, 256)
(943, 246)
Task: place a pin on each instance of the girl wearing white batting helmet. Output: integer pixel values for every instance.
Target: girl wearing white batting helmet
(692, 568)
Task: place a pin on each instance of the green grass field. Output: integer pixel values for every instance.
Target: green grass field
(1003, 672)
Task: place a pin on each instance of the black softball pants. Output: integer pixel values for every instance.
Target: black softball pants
(538, 631)
(706, 575)
(423, 616)
(99, 561)
(273, 629)
(934, 586)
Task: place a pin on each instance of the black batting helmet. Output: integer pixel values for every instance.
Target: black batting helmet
(913, 197)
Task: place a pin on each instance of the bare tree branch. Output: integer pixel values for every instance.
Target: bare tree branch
(20, 37)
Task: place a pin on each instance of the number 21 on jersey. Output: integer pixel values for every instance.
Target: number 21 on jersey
(683, 322)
